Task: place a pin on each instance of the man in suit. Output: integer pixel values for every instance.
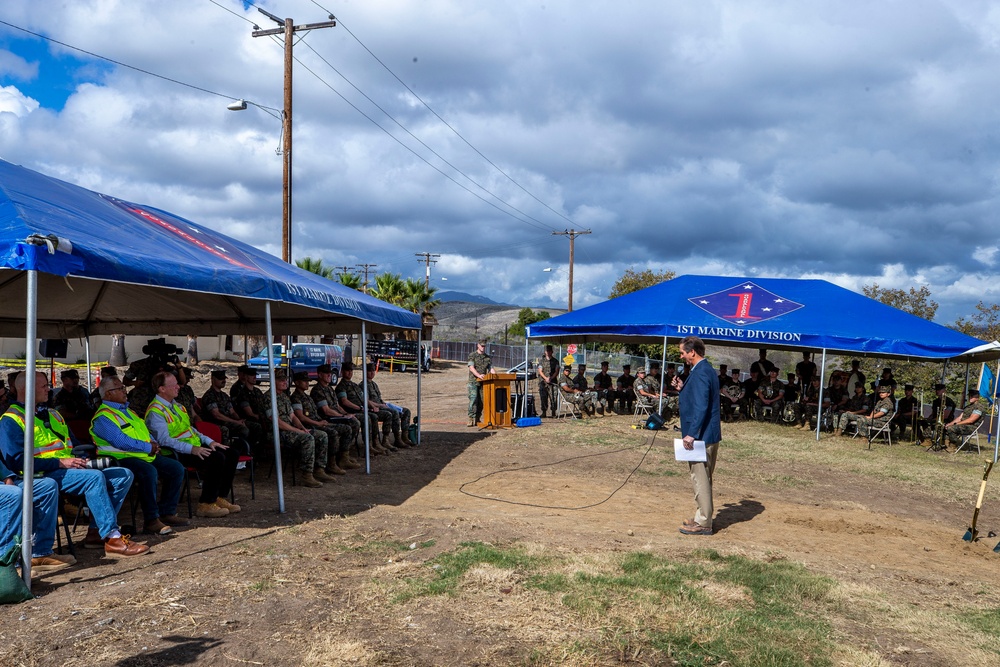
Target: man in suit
(699, 407)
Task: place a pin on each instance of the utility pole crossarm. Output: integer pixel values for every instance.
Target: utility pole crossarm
(427, 258)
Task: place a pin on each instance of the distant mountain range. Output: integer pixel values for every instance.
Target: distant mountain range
(468, 298)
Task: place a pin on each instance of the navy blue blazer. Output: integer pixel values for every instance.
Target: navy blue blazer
(699, 404)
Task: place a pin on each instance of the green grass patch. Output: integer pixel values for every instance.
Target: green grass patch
(449, 568)
(986, 621)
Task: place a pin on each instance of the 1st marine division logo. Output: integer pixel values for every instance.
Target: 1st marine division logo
(746, 303)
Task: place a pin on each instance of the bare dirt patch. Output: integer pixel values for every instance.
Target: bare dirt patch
(324, 583)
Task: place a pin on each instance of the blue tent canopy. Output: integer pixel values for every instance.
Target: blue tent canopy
(138, 269)
(764, 312)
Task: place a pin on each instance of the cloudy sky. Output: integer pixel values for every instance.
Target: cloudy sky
(851, 140)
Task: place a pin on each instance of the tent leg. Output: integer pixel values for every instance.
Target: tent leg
(819, 401)
(996, 436)
(364, 387)
(524, 397)
(90, 377)
(420, 365)
(274, 409)
(663, 373)
(28, 491)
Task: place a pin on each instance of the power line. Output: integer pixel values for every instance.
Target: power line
(443, 121)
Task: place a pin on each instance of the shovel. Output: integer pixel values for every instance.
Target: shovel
(972, 533)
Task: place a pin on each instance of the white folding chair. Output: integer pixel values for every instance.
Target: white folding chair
(883, 431)
(970, 436)
(564, 406)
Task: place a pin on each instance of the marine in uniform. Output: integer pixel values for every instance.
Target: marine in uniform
(583, 401)
(965, 423)
(548, 381)
(603, 389)
(479, 365)
(312, 444)
(351, 397)
(625, 390)
(880, 414)
(338, 435)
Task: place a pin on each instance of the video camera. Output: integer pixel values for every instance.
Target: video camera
(162, 352)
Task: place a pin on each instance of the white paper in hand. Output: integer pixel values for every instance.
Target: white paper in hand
(696, 454)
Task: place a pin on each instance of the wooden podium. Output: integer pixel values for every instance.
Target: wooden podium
(496, 400)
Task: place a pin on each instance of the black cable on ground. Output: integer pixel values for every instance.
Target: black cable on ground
(543, 465)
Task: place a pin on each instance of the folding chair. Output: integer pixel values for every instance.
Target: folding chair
(564, 406)
(974, 434)
(246, 458)
(883, 431)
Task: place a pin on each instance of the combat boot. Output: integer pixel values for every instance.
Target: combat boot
(407, 441)
(323, 476)
(345, 462)
(401, 441)
(309, 481)
(837, 432)
(472, 421)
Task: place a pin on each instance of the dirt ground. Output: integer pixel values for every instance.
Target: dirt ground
(263, 588)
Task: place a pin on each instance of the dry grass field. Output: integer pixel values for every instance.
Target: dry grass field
(553, 545)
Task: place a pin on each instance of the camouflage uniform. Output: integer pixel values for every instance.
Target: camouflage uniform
(856, 403)
(400, 420)
(353, 393)
(140, 397)
(956, 432)
(482, 363)
(216, 399)
(770, 390)
(339, 435)
(140, 370)
(865, 423)
(74, 404)
(583, 401)
(312, 446)
(324, 396)
(186, 397)
(547, 390)
(243, 396)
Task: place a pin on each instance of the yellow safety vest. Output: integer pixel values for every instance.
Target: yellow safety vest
(52, 441)
(178, 422)
(125, 421)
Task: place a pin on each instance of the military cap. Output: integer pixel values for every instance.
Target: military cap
(219, 375)
(938, 386)
(300, 375)
(641, 370)
(70, 373)
(773, 370)
(654, 364)
(567, 368)
(907, 387)
(483, 340)
(735, 370)
(887, 370)
(885, 389)
(280, 374)
(626, 367)
(347, 366)
(245, 370)
(324, 368)
(605, 363)
(370, 366)
(973, 393)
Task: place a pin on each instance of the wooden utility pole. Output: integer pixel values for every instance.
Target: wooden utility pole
(427, 258)
(572, 234)
(366, 269)
(288, 29)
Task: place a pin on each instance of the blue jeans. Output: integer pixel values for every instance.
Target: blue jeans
(105, 491)
(166, 469)
(45, 497)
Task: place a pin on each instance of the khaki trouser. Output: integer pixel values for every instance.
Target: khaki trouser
(701, 476)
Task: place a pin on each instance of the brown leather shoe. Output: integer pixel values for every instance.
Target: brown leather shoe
(174, 520)
(157, 527)
(123, 546)
(226, 505)
(51, 563)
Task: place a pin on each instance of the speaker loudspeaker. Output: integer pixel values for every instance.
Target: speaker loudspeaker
(53, 348)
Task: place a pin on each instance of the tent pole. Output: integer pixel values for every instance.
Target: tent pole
(524, 396)
(819, 401)
(364, 388)
(28, 491)
(663, 373)
(966, 381)
(274, 408)
(996, 436)
(420, 365)
(90, 378)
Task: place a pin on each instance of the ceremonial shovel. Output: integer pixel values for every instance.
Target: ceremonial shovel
(972, 533)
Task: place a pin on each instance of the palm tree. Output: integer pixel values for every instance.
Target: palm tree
(351, 280)
(419, 297)
(315, 266)
(389, 287)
